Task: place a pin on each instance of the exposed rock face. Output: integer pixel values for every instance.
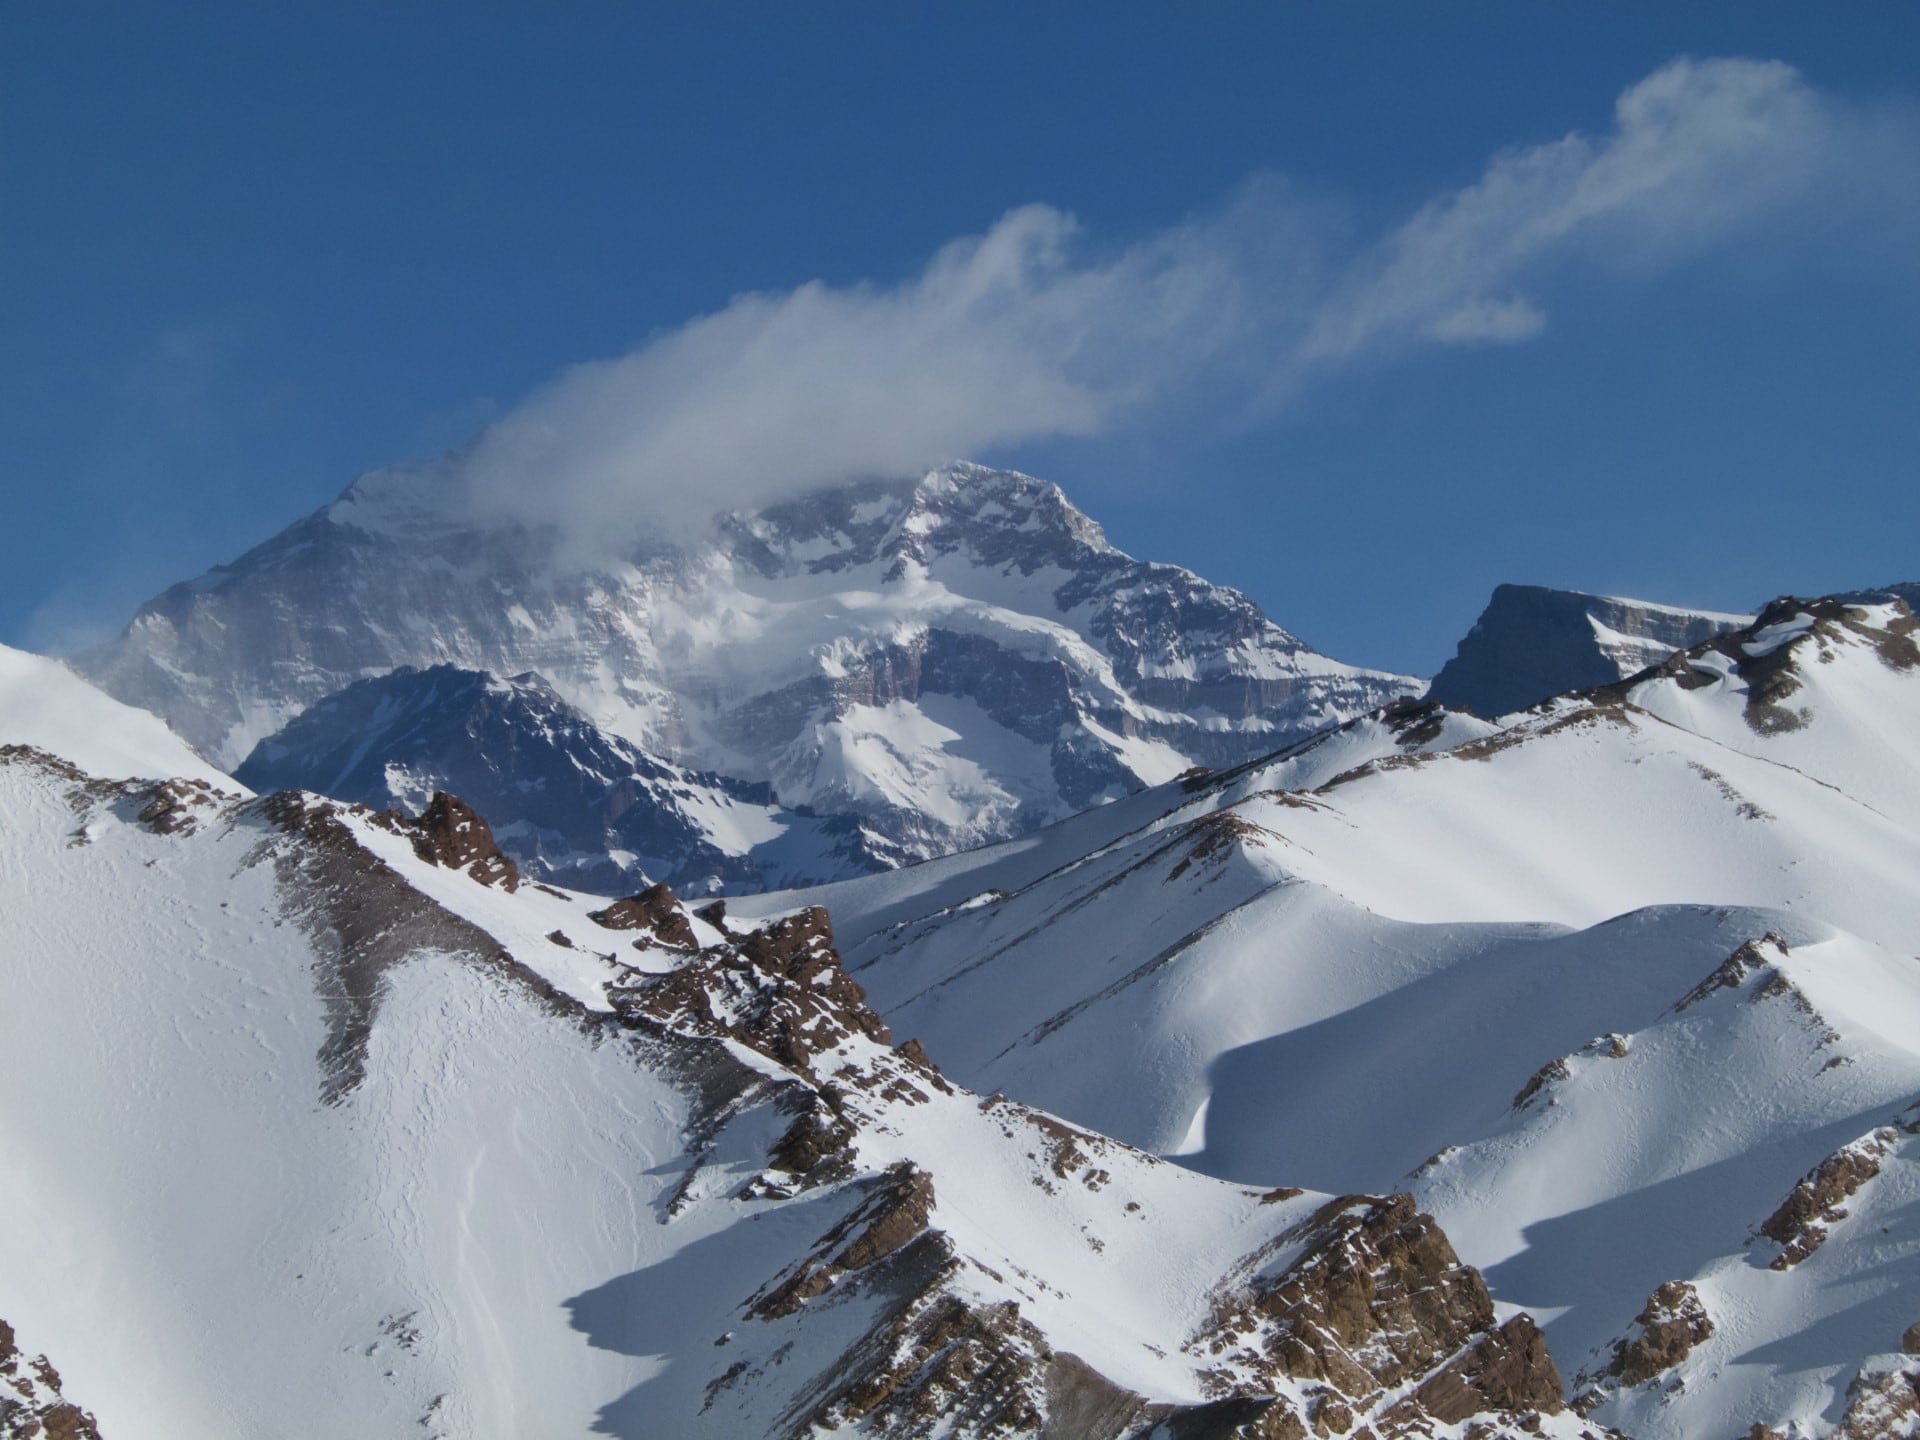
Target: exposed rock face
(450, 832)
(1672, 1324)
(1532, 642)
(1800, 1225)
(780, 991)
(31, 1404)
(929, 664)
(1882, 1404)
(584, 808)
(1376, 1299)
(893, 1216)
(655, 910)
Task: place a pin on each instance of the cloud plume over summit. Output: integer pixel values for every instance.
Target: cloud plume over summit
(1032, 331)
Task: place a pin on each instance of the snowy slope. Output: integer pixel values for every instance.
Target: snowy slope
(944, 661)
(308, 1134)
(44, 704)
(1337, 971)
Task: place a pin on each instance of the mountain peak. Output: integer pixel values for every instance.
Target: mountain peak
(1533, 642)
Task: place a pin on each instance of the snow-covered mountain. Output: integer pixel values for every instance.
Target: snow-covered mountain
(1592, 1032)
(1623, 989)
(587, 809)
(941, 662)
(1532, 643)
(317, 1121)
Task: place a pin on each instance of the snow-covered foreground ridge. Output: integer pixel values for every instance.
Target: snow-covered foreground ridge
(321, 1122)
(933, 662)
(1594, 1027)
(1625, 990)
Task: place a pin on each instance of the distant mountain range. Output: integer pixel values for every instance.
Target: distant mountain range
(870, 676)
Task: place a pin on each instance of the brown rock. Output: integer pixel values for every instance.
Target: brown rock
(1910, 1342)
(1800, 1224)
(893, 1216)
(1672, 1323)
(31, 1405)
(449, 832)
(780, 991)
(1882, 1405)
(656, 910)
(1510, 1370)
(1548, 1073)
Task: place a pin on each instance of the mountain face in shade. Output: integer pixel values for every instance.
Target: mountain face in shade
(588, 809)
(1532, 642)
(935, 662)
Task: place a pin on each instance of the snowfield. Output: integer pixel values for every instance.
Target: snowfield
(317, 1120)
(1344, 966)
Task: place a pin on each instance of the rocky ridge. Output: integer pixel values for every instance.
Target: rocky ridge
(32, 1406)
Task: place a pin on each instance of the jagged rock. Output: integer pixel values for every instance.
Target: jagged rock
(1672, 1323)
(366, 919)
(1799, 1226)
(1910, 1342)
(1510, 1370)
(169, 807)
(780, 990)
(450, 832)
(1733, 971)
(1770, 666)
(1882, 1404)
(1548, 1073)
(1377, 1299)
(893, 1215)
(32, 1406)
(655, 910)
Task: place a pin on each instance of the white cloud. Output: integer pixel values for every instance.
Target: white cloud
(1019, 334)
(1702, 154)
(1490, 322)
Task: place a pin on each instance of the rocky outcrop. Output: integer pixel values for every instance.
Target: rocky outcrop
(1749, 958)
(450, 832)
(365, 918)
(1767, 654)
(1801, 1223)
(32, 1406)
(779, 990)
(894, 1215)
(1883, 1403)
(1666, 1331)
(1376, 1300)
(655, 910)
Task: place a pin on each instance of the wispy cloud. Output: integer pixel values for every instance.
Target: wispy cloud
(1029, 331)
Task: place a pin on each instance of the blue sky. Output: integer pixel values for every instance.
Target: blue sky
(1363, 309)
